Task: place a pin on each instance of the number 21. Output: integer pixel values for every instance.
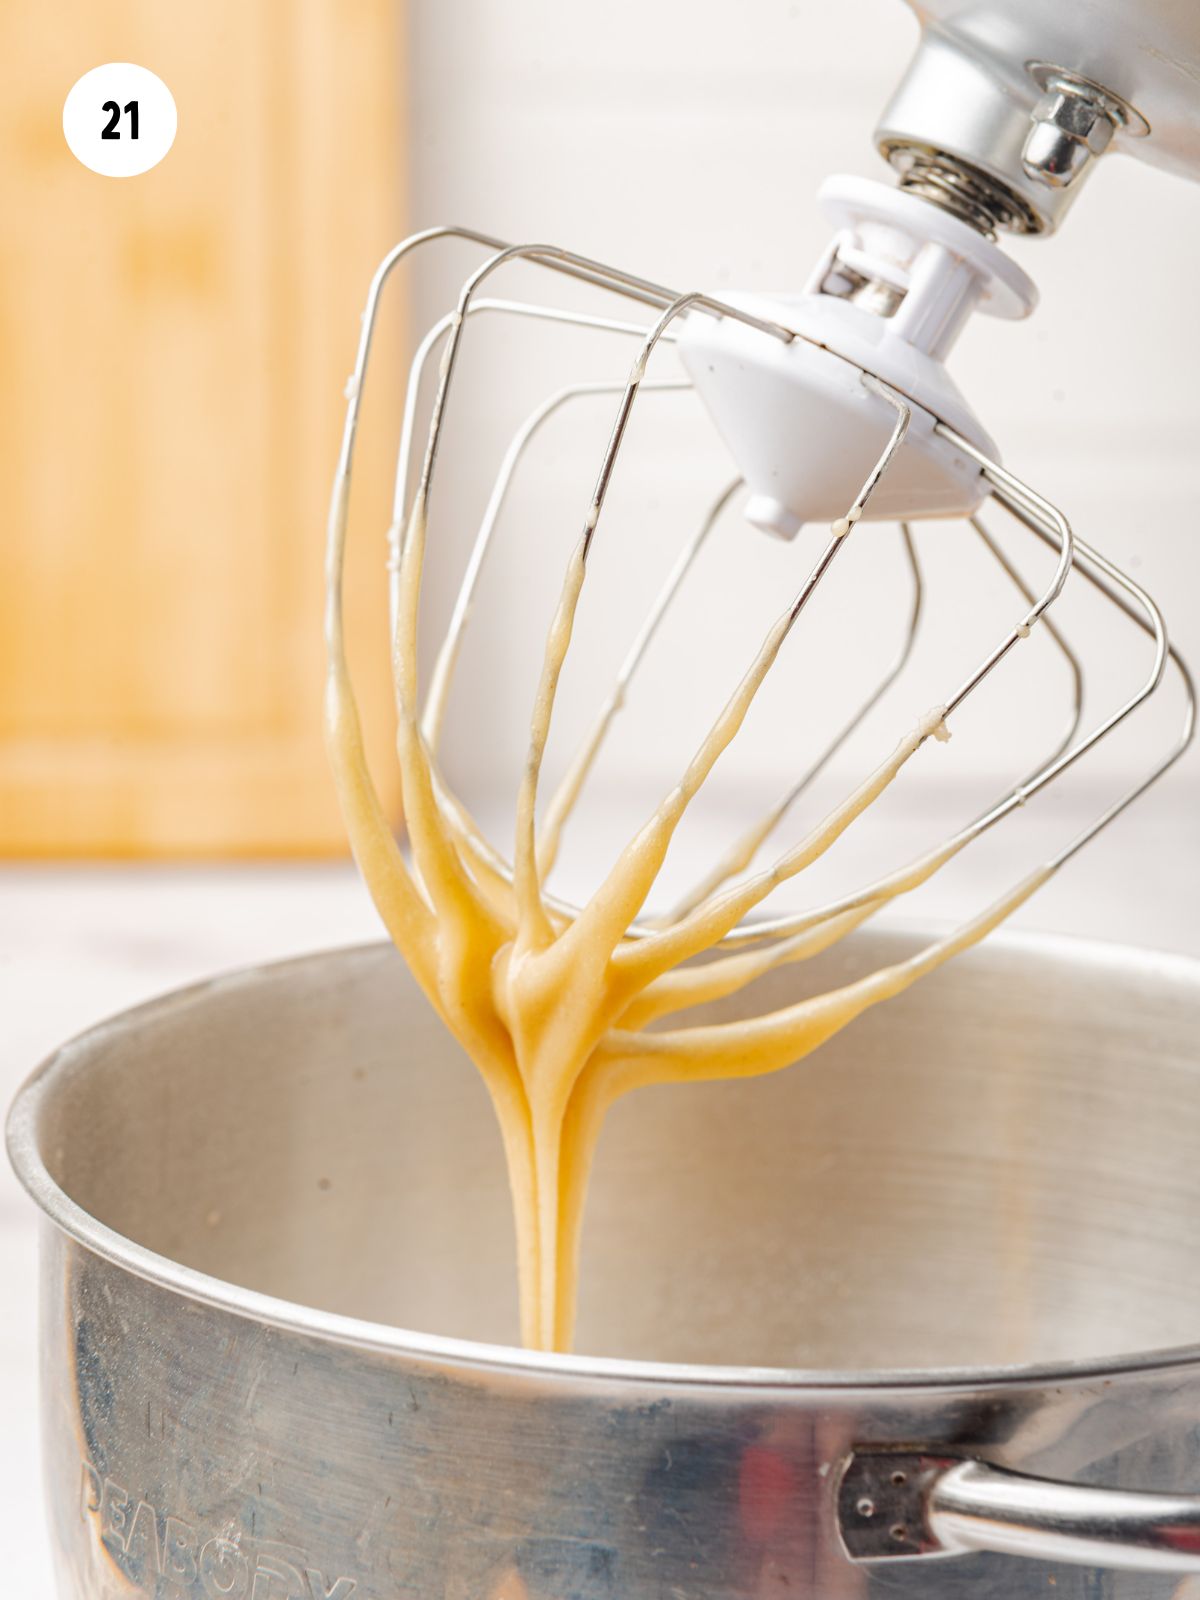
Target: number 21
(110, 129)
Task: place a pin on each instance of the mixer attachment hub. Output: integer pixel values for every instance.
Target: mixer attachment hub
(960, 189)
(888, 299)
(1000, 140)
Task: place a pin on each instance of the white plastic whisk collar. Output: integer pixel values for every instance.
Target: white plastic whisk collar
(888, 298)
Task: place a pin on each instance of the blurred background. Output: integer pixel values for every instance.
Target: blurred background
(175, 348)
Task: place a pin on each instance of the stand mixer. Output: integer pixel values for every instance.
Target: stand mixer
(835, 403)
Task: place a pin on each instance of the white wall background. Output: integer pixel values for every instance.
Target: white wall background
(686, 140)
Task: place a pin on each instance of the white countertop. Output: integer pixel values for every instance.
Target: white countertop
(77, 943)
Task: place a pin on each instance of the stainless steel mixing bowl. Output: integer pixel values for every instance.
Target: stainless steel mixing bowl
(905, 1298)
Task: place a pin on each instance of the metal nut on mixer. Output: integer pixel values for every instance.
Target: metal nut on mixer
(1069, 131)
(1073, 122)
(1079, 116)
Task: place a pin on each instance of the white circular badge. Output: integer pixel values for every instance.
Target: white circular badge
(120, 119)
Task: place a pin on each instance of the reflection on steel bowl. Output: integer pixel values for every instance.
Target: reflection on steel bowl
(918, 1318)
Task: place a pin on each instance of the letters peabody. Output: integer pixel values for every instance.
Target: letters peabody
(160, 1547)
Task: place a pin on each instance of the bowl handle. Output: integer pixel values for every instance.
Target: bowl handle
(897, 1505)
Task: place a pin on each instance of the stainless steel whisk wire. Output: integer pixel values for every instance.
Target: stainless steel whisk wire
(1027, 508)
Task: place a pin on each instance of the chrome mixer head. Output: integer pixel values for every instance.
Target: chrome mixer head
(1003, 113)
(837, 409)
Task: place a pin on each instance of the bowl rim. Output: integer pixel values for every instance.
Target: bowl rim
(450, 1354)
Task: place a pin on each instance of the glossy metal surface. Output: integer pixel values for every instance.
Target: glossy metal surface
(250, 1186)
(979, 1507)
(894, 1505)
(974, 88)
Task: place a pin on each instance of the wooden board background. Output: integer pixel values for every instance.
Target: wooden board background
(174, 347)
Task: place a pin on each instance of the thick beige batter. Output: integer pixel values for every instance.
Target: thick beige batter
(556, 1014)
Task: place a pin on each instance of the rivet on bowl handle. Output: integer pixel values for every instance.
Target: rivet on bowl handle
(903, 1505)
